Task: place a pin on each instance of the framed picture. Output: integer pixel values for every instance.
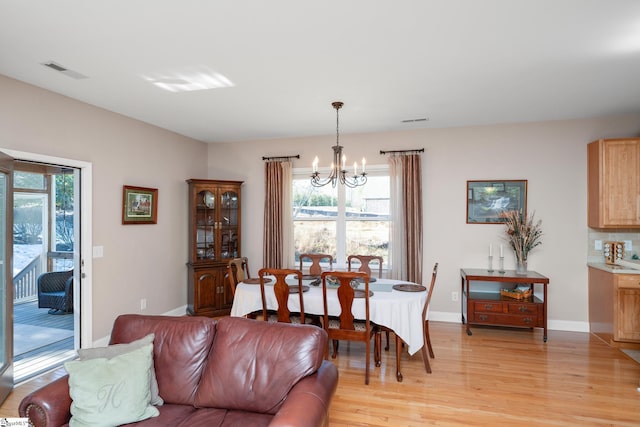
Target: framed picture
(139, 205)
(486, 200)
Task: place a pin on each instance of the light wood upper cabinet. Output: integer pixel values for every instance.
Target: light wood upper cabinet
(614, 183)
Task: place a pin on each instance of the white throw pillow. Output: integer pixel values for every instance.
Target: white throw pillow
(118, 349)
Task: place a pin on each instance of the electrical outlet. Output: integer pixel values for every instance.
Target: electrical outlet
(143, 304)
(598, 245)
(628, 247)
(454, 296)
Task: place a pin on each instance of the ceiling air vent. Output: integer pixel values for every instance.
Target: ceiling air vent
(423, 119)
(64, 70)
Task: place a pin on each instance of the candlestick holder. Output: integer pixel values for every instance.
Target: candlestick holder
(490, 269)
(501, 265)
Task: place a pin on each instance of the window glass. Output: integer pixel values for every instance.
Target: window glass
(367, 217)
(315, 211)
(28, 180)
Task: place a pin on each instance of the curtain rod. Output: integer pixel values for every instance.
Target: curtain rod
(417, 150)
(297, 156)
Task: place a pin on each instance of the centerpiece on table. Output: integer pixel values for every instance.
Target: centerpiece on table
(523, 234)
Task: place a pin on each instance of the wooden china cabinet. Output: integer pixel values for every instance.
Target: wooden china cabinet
(214, 238)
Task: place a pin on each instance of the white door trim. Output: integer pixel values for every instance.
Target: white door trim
(86, 252)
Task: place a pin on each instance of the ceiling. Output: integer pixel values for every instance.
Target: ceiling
(455, 62)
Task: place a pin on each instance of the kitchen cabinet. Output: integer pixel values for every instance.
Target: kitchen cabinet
(614, 306)
(214, 238)
(614, 183)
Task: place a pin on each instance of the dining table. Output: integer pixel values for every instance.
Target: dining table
(395, 304)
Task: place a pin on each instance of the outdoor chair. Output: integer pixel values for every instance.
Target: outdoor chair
(55, 291)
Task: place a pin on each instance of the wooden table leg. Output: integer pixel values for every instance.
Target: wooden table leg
(398, 353)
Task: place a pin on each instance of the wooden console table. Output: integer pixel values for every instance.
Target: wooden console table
(488, 307)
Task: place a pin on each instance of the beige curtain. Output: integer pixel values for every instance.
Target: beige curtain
(277, 202)
(398, 232)
(287, 214)
(406, 201)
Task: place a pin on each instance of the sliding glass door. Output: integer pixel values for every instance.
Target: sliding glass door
(6, 277)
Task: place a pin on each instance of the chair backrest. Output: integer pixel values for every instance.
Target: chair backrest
(315, 267)
(425, 309)
(364, 263)
(281, 291)
(346, 295)
(237, 271)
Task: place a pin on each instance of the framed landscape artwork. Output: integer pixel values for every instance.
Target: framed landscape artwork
(139, 205)
(486, 200)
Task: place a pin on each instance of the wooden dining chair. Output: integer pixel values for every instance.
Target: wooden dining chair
(344, 326)
(364, 261)
(237, 271)
(282, 291)
(316, 269)
(425, 316)
(426, 345)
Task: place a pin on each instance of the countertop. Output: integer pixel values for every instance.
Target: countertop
(614, 268)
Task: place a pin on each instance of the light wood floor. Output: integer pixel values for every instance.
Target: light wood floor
(495, 377)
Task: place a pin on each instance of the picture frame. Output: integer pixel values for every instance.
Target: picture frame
(486, 200)
(139, 205)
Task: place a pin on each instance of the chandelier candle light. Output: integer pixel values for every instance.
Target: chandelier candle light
(339, 165)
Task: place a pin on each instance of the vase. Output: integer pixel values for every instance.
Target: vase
(521, 267)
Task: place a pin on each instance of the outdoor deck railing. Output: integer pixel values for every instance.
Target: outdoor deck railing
(25, 287)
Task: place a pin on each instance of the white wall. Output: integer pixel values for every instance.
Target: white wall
(140, 261)
(550, 155)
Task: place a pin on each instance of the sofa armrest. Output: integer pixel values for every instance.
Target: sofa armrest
(307, 404)
(49, 406)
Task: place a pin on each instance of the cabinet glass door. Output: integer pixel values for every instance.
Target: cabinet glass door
(205, 225)
(229, 224)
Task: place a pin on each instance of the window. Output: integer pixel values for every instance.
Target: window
(342, 221)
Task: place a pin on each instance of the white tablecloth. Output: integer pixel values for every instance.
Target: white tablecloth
(400, 311)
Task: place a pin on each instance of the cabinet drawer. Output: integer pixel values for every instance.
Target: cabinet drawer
(529, 321)
(487, 307)
(520, 308)
(628, 281)
(489, 319)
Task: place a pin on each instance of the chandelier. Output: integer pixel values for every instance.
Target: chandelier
(338, 167)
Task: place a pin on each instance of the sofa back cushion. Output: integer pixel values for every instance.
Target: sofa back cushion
(253, 364)
(180, 350)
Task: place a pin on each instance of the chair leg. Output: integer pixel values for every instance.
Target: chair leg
(427, 338)
(387, 334)
(335, 349)
(398, 351)
(367, 362)
(425, 358)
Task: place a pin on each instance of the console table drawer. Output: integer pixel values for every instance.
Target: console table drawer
(526, 320)
(522, 308)
(506, 319)
(487, 307)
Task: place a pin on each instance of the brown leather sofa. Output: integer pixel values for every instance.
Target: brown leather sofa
(229, 372)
